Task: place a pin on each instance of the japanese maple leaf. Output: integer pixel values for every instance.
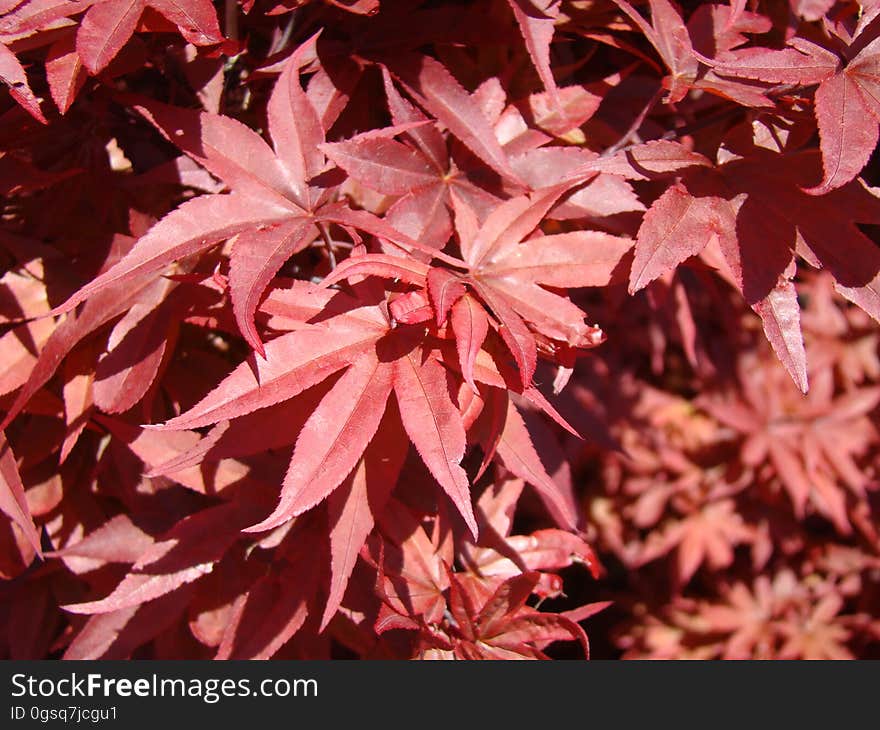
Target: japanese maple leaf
(501, 285)
(746, 615)
(378, 360)
(351, 508)
(716, 29)
(669, 36)
(277, 604)
(779, 618)
(481, 620)
(526, 124)
(200, 549)
(466, 615)
(430, 84)
(418, 169)
(820, 635)
(24, 297)
(812, 444)
(103, 31)
(753, 213)
(108, 24)
(846, 102)
(273, 210)
(500, 625)
(602, 195)
(708, 535)
(357, 7)
(426, 175)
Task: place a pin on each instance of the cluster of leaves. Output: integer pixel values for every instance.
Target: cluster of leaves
(352, 328)
(743, 521)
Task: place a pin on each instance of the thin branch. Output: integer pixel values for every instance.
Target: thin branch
(627, 138)
(279, 43)
(328, 245)
(707, 121)
(230, 19)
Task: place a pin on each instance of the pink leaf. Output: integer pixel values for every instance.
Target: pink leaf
(351, 507)
(227, 149)
(135, 350)
(645, 161)
(423, 216)
(13, 75)
(105, 29)
(434, 425)
(470, 325)
(548, 313)
(507, 599)
(781, 317)
(847, 132)
(12, 499)
(439, 92)
(377, 264)
(184, 554)
(445, 289)
(64, 72)
(510, 223)
(864, 70)
(571, 107)
(676, 227)
(382, 164)
(803, 64)
(118, 540)
(295, 126)
(536, 27)
(369, 223)
(115, 635)
(518, 453)
(516, 335)
(427, 138)
(272, 611)
(107, 304)
(77, 395)
(580, 258)
(196, 19)
(668, 34)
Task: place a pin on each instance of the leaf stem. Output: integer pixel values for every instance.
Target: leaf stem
(627, 138)
(328, 244)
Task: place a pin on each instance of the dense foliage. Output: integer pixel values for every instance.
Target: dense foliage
(435, 329)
